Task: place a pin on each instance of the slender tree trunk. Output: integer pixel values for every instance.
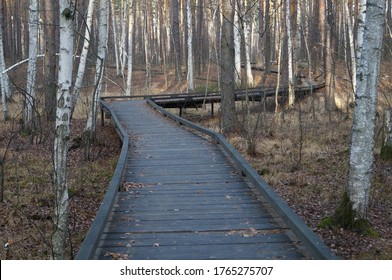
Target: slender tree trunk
(237, 45)
(229, 119)
(130, 48)
(329, 59)
(290, 55)
(386, 150)
(360, 28)
(247, 44)
(363, 131)
(99, 70)
(4, 80)
(176, 40)
(280, 50)
(83, 56)
(62, 130)
(147, 45)
(350, 30)
(50, 58)
(190, 78)
(267, 36)
(32, 65)
(123, 51)
(115, 42)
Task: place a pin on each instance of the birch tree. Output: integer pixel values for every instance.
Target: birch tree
(386, 150)
(62, 130)
(361, 28)
(4, 80)
(32, 65)
(123, 52)
(363, 131)
(247, 44)
(290, 55)
(83, 56)
(114, 25)
(350, 30)
(237, 45)
(147, 47)
(130, 48)
(190, 84)
(99, 70)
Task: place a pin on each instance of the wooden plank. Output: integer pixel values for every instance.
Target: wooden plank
(126, 216)
(265, 251)
(187, 200)
(199, 238)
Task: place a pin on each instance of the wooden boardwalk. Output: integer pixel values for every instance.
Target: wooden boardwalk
(183, 198)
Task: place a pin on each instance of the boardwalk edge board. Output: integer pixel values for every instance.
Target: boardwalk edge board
(298, 226)
(91, 240)
(309, 239)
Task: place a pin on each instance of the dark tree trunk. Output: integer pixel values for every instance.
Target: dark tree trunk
(50, 59)
(229, 122)
(176, 40)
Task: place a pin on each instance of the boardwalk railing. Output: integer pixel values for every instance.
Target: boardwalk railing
(309, 239)
(90, 243)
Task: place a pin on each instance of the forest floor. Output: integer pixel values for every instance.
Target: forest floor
(26, 212)
(303, 154)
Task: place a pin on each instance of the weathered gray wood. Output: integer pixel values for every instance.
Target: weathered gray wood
(183, 198)
(278, 251)
(180, 187)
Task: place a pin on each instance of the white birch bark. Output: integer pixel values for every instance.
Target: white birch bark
(363, 131)
(99, 68)
(190, 78)
(123, 51)
(247, 44)
(280, 47)
(156, 26)
(361, 28)
(147, 48)
(350, 31)
(83, 56)
(290, 55)
(32, 65)
(388, 128)
(297, 35)
(4, 80)
(62, 130)
(112, 8)
(130, 48)
(168, 28)
(237, 47)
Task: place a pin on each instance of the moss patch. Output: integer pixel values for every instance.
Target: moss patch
(345, 217)
(386, 152)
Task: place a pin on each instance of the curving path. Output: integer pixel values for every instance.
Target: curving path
(183, 197)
